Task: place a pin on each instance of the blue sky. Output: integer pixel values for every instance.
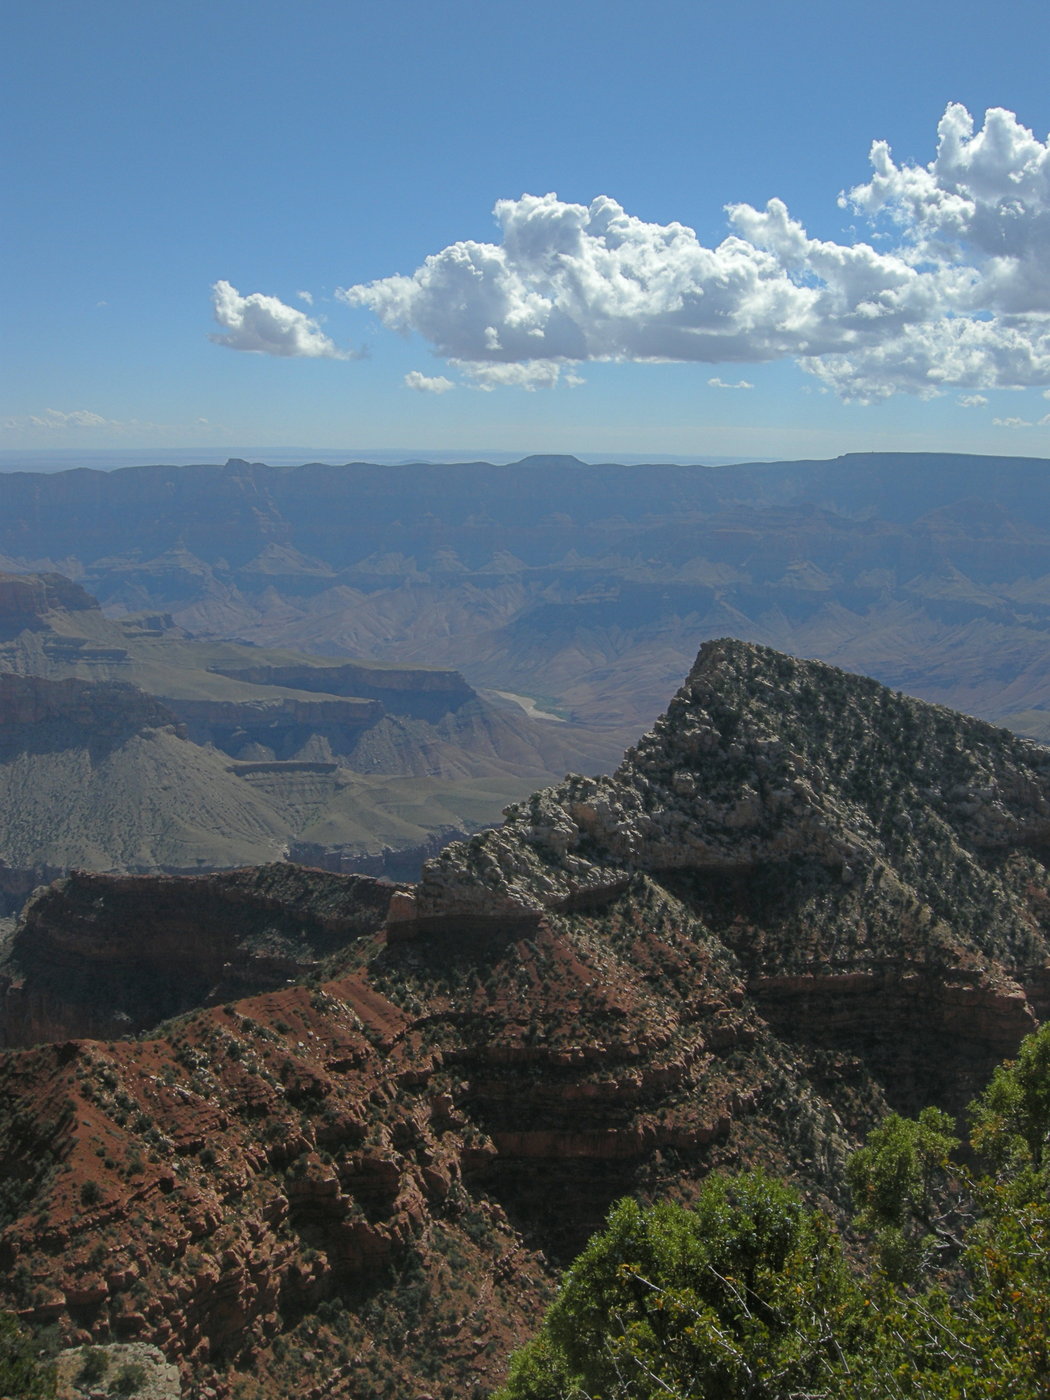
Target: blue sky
(307, 159)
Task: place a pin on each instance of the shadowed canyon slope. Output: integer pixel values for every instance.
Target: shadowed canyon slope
(585, 588)
(800, 897)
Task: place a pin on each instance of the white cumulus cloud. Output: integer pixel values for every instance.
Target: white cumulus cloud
(428, 384)
(957, 295)
(266, 326)
(972, 400)
(520, 374)
(718, 383)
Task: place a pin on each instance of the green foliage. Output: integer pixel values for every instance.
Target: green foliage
(1011, 1119)
(90, 1193)
(93, 1366)
(128, 1380)
(744, 1295)
(894, 1179)
(747, 1294)
(23, 1373)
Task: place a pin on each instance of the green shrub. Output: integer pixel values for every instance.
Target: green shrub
(128, 1380)
(93, 1367)
(90, 1193)
(23, 1372)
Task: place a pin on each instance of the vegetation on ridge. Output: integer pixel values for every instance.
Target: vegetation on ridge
(749, 1293)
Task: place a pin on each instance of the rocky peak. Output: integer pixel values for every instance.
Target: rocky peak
(759, 759)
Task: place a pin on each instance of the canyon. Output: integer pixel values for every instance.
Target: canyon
(584, 588)
(127, 745)
(800, 899)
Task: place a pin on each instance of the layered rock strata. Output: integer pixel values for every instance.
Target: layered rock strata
(800, 898)
(105, 956)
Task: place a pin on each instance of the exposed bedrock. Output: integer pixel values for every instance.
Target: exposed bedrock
(105, 955)
(876, 864)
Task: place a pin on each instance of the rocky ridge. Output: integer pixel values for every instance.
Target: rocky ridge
(98, 956)
(800, 898)
(867, 857)
(759, 759)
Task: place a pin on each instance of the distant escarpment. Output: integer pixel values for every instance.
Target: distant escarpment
(425, 693)
(801, 898)
(127, 745)
(98, 710)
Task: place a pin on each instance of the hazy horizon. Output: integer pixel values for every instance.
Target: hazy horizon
(111, 459)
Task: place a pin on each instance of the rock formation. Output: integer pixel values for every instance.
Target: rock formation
(868, 858)
(801, 898)
(103, 956)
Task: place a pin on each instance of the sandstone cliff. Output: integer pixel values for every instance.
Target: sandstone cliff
(102, 955)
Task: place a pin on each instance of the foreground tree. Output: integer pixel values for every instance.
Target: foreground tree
(901, 1182)
(747, 1295)
(24, 1375)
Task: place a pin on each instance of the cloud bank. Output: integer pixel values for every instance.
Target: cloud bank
(72, 423)
(54, 419)
(266, 326)
(956, 296)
